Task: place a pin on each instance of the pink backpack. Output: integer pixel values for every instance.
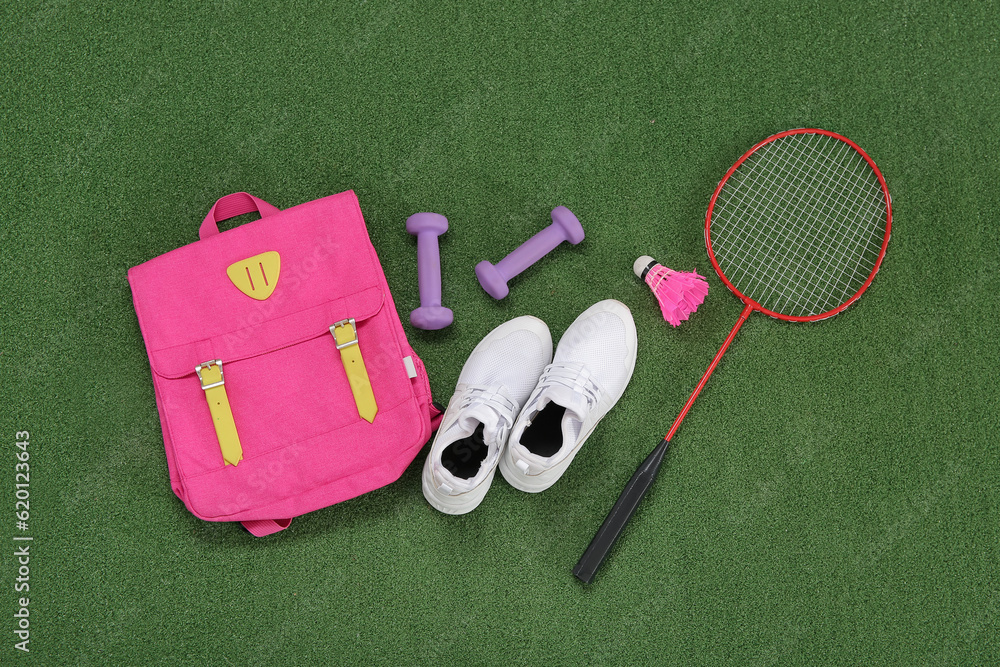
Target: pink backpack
(283, 378)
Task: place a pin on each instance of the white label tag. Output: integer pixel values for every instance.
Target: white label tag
(411, 370)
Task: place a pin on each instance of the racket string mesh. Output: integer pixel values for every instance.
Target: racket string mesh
(799, 226)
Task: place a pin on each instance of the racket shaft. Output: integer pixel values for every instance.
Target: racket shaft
(711, 367)
(643, 478)
(620, 514)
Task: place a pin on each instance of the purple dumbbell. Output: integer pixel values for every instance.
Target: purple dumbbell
(564, 227)
(427, 227)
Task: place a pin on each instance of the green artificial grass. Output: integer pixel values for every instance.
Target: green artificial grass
(830, 499)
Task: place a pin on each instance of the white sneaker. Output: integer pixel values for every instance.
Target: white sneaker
(493, 385)
(592, 366)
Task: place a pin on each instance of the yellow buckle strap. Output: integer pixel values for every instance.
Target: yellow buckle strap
(214, 384)
(345, 334)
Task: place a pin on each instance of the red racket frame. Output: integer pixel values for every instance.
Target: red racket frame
(750, 304)
(878, 262)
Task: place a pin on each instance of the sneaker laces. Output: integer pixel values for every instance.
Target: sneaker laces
(578, 379)
(495, 398)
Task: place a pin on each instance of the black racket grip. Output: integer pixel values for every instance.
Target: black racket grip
(620, 514)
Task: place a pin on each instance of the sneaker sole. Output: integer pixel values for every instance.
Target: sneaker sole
(460, 504)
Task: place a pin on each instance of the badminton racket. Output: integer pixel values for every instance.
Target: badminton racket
(797, 230)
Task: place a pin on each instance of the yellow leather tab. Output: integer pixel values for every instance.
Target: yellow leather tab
(212, 381)
(256, 276)
(346, 335)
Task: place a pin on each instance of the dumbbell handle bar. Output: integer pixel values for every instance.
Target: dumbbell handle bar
(531, 251)
(429, 268)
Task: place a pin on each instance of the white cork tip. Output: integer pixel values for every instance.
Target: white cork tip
(640, 265)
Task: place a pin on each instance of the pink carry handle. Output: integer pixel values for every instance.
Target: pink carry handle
(231, 206)
(266, 527)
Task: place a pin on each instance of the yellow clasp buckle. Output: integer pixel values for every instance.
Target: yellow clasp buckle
(353, 333)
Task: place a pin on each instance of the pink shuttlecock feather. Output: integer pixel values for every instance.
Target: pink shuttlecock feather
(678, 293)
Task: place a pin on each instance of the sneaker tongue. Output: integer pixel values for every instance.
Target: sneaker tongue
(473, 417)
(574, 402)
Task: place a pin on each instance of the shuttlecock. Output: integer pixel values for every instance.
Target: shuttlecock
(679, 294)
